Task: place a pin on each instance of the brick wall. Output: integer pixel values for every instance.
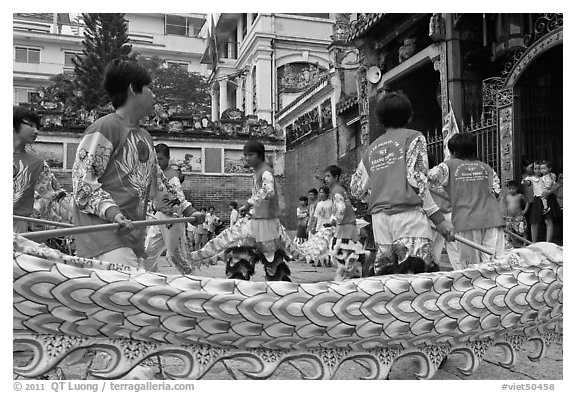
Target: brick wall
(309, 158)
(219, 191)
(204, 190)
(313, 156)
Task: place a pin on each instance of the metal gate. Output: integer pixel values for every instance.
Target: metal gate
(487, 139)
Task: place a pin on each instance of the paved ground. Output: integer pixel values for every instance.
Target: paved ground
(549, 368)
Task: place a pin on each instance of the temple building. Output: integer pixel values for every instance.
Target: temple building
(500, 73)
(261, 62)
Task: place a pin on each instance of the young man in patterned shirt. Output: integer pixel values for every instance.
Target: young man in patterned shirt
(264, 206)
(116, 171)
(392, 176)
(165, 237)
(30, 174)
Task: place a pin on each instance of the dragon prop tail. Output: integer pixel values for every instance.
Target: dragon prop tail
(318, 247)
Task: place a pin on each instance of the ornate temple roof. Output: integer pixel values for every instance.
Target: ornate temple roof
(321, 79)
(364, 24)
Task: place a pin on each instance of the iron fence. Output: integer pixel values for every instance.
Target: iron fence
(487, 140)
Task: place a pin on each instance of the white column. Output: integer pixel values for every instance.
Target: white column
(248, 94)
(239, 93)
(249, 20)
(214, 108)
(223, 95)
(264, 87)
(239, 28)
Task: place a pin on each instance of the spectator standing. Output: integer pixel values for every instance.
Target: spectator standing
(323, 210)
(302, 215)
(312, 202)
(233, 213)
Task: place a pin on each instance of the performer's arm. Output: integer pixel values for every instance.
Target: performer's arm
(439, 175)
(175, 194)
(266, 191)
(90, 164)
(339, 206)
(416, 169)
(359, 183)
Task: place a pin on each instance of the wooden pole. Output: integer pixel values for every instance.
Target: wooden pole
(471, 244)
(46, 222)
(102, 227)
(518, 237)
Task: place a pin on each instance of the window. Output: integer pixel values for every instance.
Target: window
(24, 94)
(27, 55)
(182, 25)
(176, 25)
(180, 64)
(68, 63)
(314, 15)
(213, 160)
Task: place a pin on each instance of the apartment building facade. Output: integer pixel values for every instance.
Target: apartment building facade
(44, 45)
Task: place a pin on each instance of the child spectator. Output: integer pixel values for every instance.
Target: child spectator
(548, 181)
(210, 223)
(200, 234)
(233, 213)
(515, 208)
(472, 187)
(302, 214)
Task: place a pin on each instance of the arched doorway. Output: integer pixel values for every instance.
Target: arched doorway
(538, 109)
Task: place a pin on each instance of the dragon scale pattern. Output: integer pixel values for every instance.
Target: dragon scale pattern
(62, 303)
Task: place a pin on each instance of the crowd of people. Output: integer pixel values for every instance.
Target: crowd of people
(120, 176)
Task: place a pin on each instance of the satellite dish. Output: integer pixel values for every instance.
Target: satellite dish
(374, 74)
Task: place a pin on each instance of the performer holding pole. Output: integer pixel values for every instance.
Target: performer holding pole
(344, 219)
(29, 173)
(165, 237)
(392, 176)
(265, 223)
(116, 172)
(442, 200)
(473, 187)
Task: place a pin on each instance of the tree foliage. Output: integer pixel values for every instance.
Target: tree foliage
(176, 89)
(62, 91)
(105, 39)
